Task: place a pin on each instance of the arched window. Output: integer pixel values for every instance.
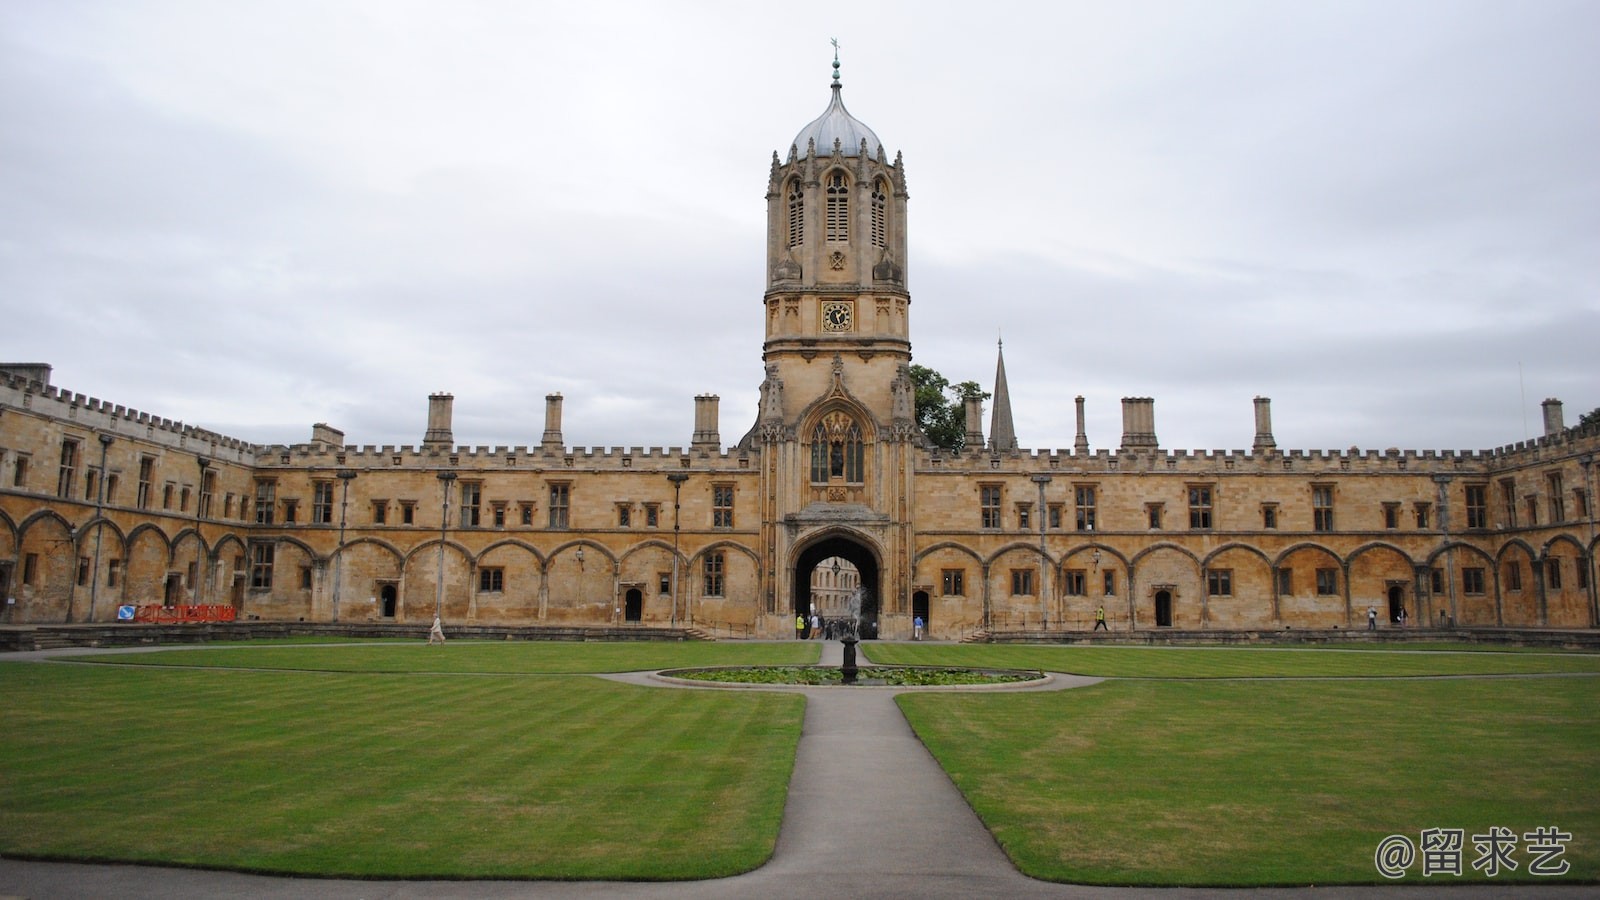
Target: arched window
(836, 449)
(797, 214)
(880, 214)
(838, 192)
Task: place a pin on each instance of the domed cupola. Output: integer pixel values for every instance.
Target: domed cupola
(836, 123)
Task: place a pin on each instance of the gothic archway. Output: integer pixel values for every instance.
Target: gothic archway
(847, 550)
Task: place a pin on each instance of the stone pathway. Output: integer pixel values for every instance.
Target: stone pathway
(869, 814)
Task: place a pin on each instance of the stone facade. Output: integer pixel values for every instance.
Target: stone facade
(102, 506)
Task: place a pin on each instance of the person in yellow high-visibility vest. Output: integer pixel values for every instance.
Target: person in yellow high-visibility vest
(1100, 619)
(800, 627)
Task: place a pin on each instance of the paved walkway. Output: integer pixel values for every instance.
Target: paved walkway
(869, 814)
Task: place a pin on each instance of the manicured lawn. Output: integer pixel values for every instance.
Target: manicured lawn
(394, 775)
(1229, 662)
(1268, 782)
(508, 657)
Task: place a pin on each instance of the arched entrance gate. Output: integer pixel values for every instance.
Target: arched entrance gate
(826, 551)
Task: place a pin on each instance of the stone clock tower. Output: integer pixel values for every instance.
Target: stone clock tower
(837, 424)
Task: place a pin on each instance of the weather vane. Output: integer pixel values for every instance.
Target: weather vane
(835, 43)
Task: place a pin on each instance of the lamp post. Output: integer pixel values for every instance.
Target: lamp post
(677, 479)
(99, 503)
(445, 480)
(1044, 559)
(346, 476)
(199, 514)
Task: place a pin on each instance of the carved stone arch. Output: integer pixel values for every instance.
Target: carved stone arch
(41, 516)
(1292, 549)
(725, 545)
(225, 540)
(582, 544)
(946, 545)
(1104, 550)
(1544, 551)
(512, 542)
(1026, 546)
(100, 522)
(185, 533)
(417, 553)
(1459, 545)
(1515, 544)
(627, 555)
(139, 531)
(1372, 546)
(1205, 562)
(304, 547)
(1165, 545)
(385, 546)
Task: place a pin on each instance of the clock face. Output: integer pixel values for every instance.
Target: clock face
(838, 317)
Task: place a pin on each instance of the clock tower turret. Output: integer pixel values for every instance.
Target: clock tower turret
(836, 264)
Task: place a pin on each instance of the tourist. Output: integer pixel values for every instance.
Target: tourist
(1100, 619)
(800, 627)
(1372, 618)
(816, 626)
(916, 628)
(436, 633)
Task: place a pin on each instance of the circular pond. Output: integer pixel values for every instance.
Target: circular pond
(869, 676)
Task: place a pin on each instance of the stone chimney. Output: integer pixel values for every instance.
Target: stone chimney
(1264, 442)
(706, 439)
(974, 414)
(1138, 423)
(33, 373)
(1080, 445)
(439, 436)
(552, 442)
(1554, 421)
(327, 435)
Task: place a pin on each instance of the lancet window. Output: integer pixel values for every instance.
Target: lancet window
(880, 214)
(797, 214)
(838, 194)
(836, 449)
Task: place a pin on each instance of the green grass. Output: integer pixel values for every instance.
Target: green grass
(504, 657)
(391, 776)
(1257, 783)
(1230, 662)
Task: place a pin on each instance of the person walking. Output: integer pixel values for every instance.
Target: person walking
(1100, 619)
(816, 626)
(916, 628)
(436, 633)
(1402, 617)
(1372, 618)
(800, 628)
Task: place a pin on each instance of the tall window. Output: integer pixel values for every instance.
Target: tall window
(954, 582)
(266, 498)
(1285, 582)
(1513, 576)
(1269, 516)
(1472, 580)
(797, 214)
(1084, 496)
(208, 486)
(1391, 515)
(69, 468)
(1328, 581)
(880, 213)
(19, 475)
(1552, 574)
(261, 566)
(471, 503)
(1322, 507)
(989, 505)
(1219, 582)
(380, 512)
(1152, 512)
(1200, 506)
(1022, 581)
(408, 512)
(111, 488)
(712, 567)
(1532, 501)
(1508, 501)
(837, 190)
(836, 449)
(560, 496)
(1558, 512)
(722, 506)
(1424, 515)
(1478, 506)
(322, 502)
(1075, 586)
(147, 465)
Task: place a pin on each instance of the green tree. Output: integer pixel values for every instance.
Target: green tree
(1590, 417)
(941, 410)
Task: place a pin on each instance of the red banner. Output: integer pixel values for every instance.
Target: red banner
(171, 615)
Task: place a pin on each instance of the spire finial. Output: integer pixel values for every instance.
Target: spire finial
(835, 43)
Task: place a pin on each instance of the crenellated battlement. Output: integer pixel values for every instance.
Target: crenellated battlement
(537, 457)
(47, 400)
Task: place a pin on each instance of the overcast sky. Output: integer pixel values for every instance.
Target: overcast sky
(255, 216)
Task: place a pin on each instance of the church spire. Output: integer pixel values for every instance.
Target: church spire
(1002, 432)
